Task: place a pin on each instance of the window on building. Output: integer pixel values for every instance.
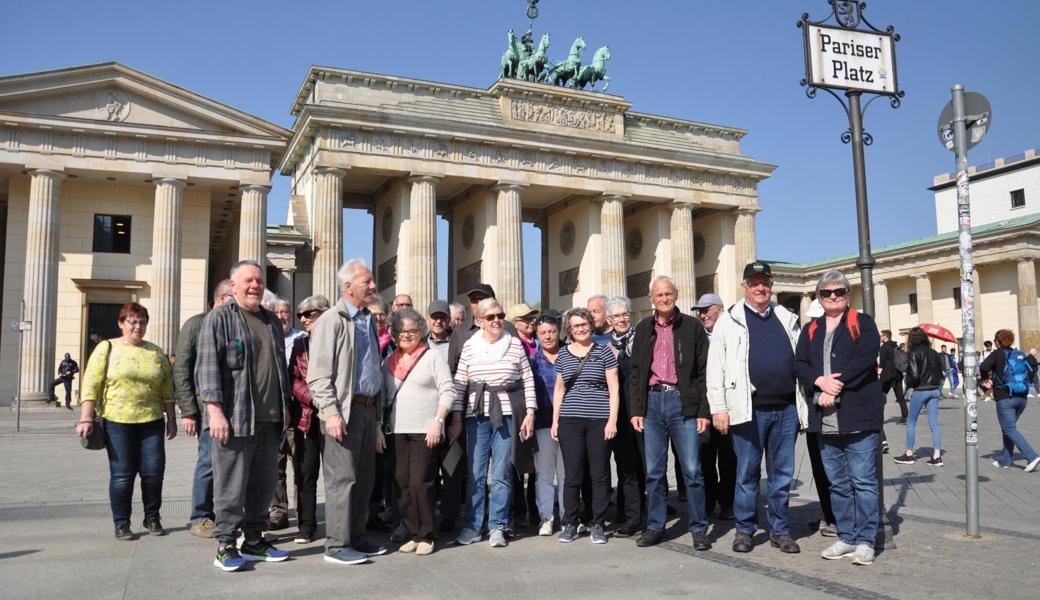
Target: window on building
(957, 297)
(913, 304)
(1018, 198)
(112, 233)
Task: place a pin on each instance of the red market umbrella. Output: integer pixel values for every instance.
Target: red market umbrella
(938, 332)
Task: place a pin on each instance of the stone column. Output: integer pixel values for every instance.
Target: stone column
(41, 284)
(682, 254)
(286, 287)
(612, 238)
(510, 286)
(744, 238)
(327, 231)
(252, 225)
(883, 316)
(924, 299)
(1028, 319)
(422, 213)
(165, 315)
(543, 225)
(803, 308)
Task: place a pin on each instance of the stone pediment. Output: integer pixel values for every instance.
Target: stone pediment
(113, 93)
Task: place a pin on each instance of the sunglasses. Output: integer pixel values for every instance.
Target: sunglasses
(495, 317)
(838, 293)
(307, 313)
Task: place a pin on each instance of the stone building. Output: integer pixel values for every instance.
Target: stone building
(919, 281)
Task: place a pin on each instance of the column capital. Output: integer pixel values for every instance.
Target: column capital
(423, 178)
(748, 210)
(339, 171)
(922, 276)
(682, 204)
(508, 186)
(1026, 260)
(612, 196)
(170, 181)
(254, 187)
(56, 174)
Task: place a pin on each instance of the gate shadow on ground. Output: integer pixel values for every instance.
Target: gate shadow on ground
(17, 553)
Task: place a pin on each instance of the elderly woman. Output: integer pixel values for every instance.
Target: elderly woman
(419, 391)
(836, 363)
(585, 410)
(924, 375)
(380, 312)
(308, 442)
(494, 388)
(131, 383)
(548, 461)
(1010, 398)
(625, 446)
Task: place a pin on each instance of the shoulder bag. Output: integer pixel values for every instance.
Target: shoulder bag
(95, 440)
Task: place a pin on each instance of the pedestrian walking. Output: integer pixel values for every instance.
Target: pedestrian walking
(67, 370)
(924, 375)
(1011, 373)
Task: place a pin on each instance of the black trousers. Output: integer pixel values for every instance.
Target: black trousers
(628, 458)
(415, 472)
(451, 489)
(719, 481)
(306, 461)
(279, 508)
(897, 383)
(582, 440)
(823, 485)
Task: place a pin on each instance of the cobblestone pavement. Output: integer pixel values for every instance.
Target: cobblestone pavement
(56, 538)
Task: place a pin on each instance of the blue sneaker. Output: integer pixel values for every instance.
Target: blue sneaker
(262, 551)
(228, 559)
(346, 556)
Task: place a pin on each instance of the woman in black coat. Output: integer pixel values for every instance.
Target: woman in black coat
(836, 362)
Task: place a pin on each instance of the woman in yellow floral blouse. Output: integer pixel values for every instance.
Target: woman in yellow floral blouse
(130, 381)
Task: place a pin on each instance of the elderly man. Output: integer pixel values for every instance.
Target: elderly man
(345, 381)
(458, 314)
(401, 301)
(752, 391)
(438, 319)
(241, 377)
(597, 305)
(718, 463)
(191, 409)
(669, 354)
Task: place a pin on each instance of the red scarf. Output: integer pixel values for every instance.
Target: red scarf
(400, 362)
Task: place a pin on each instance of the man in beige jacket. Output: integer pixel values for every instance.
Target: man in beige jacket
(346, 383)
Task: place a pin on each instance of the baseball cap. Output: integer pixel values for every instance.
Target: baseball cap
(757, 268)
(519, 311)
(482, 288)
(707, 301)
(438, 306)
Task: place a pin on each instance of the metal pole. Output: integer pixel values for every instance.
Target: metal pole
(971, 427)
(18, 370)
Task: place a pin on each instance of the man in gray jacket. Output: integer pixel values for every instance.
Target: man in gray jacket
(346, 381)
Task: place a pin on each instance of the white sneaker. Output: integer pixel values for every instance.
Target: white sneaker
(838, 549)
(545, 528)
(497, 539)
(998, 465)
(864, 555)
(1033, 464)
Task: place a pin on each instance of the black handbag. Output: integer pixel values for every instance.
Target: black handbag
(95, 440)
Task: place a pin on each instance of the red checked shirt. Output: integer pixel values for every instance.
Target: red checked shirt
(662, 369)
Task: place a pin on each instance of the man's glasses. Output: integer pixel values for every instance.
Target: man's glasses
(495, 317)
(766, 283)
(837, 293)
(306, 314)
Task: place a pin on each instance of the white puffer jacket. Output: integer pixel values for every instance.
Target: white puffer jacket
(728, 381)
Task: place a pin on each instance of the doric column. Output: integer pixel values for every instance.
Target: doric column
(803, 308)
(924, 299)
(252, 228)
(612, 238)
(510, 287)
(286, 287)
(744, 238)
(41, 284)
(543, 226)
(422, 213)
(682, 253)
(327, 231)
(165, 316)
(883, 317)
(1028, 319)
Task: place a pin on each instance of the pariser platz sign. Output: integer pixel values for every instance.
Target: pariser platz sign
(850, 60)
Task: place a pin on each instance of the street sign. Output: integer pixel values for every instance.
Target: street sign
(977, 118)
(850, 59)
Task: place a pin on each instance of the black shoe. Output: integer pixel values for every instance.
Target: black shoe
(447, 526)
(649, 538)
(154, 527)
(627, 530)
(701, 541)
(365, 547)
(726, 513)
(377, 524)
(123, 532)
(742, 542)
(936, 462)
(277, 524)
(785, 543)
(905, 459)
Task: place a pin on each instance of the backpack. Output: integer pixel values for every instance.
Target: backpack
(899, 359)
(851, 322)
(1017, 372)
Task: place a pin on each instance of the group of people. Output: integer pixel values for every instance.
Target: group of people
(447, 415)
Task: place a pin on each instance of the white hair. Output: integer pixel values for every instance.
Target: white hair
(269, 301)
(596, 297)
(280, 302)
(616, 301)
(650, 289)
(484, 305)
(245, 263)
(349, 270)
(458, 307)
(831, 277)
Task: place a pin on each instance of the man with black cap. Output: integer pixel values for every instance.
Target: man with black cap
(716, 448)
(438, 318)
(752, 391)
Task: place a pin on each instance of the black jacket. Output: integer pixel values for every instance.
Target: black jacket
(861, 406)
(887, 361)
(691, 360)
(993, 368)
(924, 369)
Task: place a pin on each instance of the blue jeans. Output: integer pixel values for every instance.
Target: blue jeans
(849, 460)
(135, 449)
(773, 431)
(202, 485)
(1008, 412)
(664, 419)
(483, 443)
(928, 399)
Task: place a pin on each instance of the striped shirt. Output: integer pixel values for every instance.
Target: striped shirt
(589, 397)
(477, 363)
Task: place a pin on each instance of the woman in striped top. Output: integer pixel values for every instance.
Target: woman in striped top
(585, 407)
(494, 386)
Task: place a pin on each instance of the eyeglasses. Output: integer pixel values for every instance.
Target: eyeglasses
(766, 283)
(306, 314)
(838, 293)
(580, 327)
(625, 316)
(495, 317)
(408, 332)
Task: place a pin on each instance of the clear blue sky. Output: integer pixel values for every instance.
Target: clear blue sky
(726, 62)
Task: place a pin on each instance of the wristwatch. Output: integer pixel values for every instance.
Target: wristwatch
(440, 420)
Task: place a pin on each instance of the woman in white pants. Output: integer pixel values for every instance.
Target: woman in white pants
(548, 461)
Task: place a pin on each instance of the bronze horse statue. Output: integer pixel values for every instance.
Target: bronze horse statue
(531, 67)
(568, 68)
(510, 58)
(597, 71)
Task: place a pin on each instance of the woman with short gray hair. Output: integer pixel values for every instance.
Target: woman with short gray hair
(418, 391)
